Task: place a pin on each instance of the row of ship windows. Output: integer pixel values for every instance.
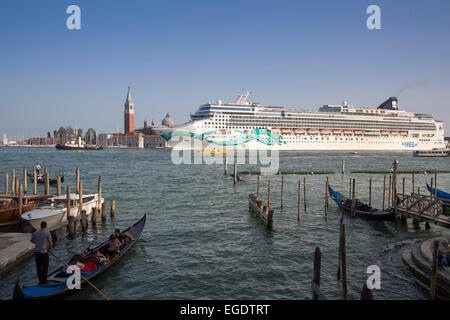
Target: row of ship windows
(323, 127)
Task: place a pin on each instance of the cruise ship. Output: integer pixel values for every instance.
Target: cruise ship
(252, 126)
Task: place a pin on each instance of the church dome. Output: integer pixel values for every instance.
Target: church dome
(167, 121)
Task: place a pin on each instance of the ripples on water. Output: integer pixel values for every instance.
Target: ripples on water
(201, 242)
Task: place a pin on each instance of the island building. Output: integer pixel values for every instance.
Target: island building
(131, 137)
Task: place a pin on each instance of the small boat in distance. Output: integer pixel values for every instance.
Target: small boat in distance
(76, 145)
(432, 153)
(56, 286)
(361, 209)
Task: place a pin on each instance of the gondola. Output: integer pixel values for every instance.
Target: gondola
(41, 178)
(441, 195)
(56, 286)
(361, 209)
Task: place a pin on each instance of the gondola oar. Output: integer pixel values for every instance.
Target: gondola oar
(98, 290)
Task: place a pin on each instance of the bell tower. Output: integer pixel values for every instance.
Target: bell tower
(129, 114)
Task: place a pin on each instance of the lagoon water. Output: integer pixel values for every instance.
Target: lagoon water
(201, 242)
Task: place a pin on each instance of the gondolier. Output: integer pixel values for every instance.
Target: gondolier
(43, 244)
(37, 166)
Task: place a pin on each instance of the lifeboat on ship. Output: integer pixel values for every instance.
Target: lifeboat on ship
(285, 130)
(337, 131)
(348, 131)
(384, 133)
(394, 133)
(404, 133)
(325, 131)
(358, 132)
(299, 131)
(312, 131)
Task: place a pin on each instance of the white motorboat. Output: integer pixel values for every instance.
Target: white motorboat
(54, 211)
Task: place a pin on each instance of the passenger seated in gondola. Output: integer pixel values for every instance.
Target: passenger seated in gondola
(101, 257)
(119, 236)
(114, 246)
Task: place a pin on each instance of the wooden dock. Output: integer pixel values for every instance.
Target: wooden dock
(261, 211)
(422, 208)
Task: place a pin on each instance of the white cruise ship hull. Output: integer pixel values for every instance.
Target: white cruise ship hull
(188, 138)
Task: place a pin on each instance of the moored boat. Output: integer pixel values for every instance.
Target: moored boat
(9, 212)
(361, 209)
(56, 286)
(54, 212)
(441, 195)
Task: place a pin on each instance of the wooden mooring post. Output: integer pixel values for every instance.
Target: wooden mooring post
(268, 196)
(389, 193)
(13, 182)
(434, 270)
(82, 211)
(70, 217)
(403, 188)
(370, 192)
(412, 182)
(35, 182)
(235, 174)
(431, 190)
(47, 182)
(259, 185)
(299, 192)
(58, 185)
(353, 197)
(104, 210)
(113, 208)
(327, 184)
(343, 166)
(77, 174)
(25, 180)
(99, 203)
(304, 194)
(225, 168)
(366, 293)
(16, 185)
(317, 266)
(384, 191)
(343, 262)
(94, 217)
(20, 200)
(282, 190)
(6, 183)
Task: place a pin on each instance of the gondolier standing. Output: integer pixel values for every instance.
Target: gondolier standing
(37, 166)
(43, 241)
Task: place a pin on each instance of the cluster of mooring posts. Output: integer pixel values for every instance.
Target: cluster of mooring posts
(416, 205)
(317, 294)
(264, 212)
(20, 190)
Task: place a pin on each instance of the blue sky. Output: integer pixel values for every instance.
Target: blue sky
(176, 55)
